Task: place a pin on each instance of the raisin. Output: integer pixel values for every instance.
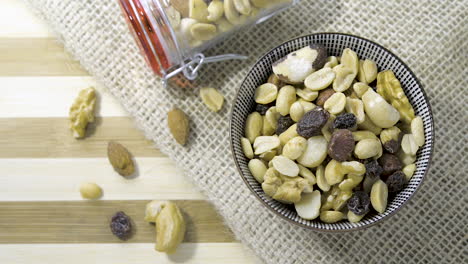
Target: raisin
(341, 145)
(345, 121)
(121, 225)
(323, 96)
(312, 122)
(262, 108)
(284, 122)
(373, 169)
(390, 163)
(396, 182)
(359, 203)
(392, 146)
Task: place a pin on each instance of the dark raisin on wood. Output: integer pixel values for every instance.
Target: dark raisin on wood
(359, 203)
(396, 182)
(312, 122)
(121, 226)
(341, 145)
(284, 122)
(345, 121)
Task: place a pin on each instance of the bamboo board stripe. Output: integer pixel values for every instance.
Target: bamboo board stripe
(59, 180)
(36, 57)
(52, 138)
(51, 97)
(144, 253)
(17, 20)
(88, 222)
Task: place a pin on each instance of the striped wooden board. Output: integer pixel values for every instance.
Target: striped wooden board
(42, 216)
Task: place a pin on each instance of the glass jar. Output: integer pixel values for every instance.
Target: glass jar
(172, 34)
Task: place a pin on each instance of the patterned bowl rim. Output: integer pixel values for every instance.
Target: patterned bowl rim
(356, 228)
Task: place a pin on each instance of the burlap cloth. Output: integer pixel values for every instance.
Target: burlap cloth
(431, 36)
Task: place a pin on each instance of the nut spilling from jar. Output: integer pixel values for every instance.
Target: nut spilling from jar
(339, 149)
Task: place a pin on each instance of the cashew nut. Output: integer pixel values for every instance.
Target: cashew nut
(215, 10)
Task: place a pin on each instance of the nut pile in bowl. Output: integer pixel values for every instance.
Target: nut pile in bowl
(331, 135)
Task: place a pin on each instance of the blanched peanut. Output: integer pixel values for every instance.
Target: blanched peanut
(344, 77)
(309, 205)
(213, 99)
(307, 174)
(288, 134)
(285, 166)
(333, 172)
(370, 126)
(315, 152)
(267, 129)
(326, 128)
(286, 97)
(320, 79)
(360, 88)
(321, 181)
(368, 148)
(253, 126)
(332, 61)
(417, 129)
(356, 107)
(354, 218)
(90, 190)
(243, 6)
(223, 25)
(203, 31)
(408, 145)
(247, 148)
(353, 167)
(215, 10)
(231, 13)
(307, 94)
(379, 196)
(258, 169)
(367, 71)
(198, 10)
(272, 116)
(331, 216)
(294, 148)
(266, 93)
(307, 105)
(350, 60)
(379, 111)
(351, 182)
(405, 158)
(335, 104)
(263, 144)
(409, 170)
(363, 134)
(268, 156)
(296, 111)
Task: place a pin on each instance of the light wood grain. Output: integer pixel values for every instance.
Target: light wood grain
(17, 20)
(144, 253)
(51, 138)
(51, 96)
(59, 180)
(88, 222)
(36, 57)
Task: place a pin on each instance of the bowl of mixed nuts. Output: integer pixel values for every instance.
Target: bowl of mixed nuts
(332, 132)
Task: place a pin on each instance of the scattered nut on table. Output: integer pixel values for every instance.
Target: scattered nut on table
(178, 123)
(212, 98)
(82, 112)
(321, 123)
(90, 190)
(170, 225)
(120, 159)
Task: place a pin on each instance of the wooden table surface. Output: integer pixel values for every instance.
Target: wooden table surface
(42, 216)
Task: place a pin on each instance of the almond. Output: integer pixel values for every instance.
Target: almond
(120, 159)
(178, 123)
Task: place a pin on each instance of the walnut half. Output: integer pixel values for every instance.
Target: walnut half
(82, 112)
